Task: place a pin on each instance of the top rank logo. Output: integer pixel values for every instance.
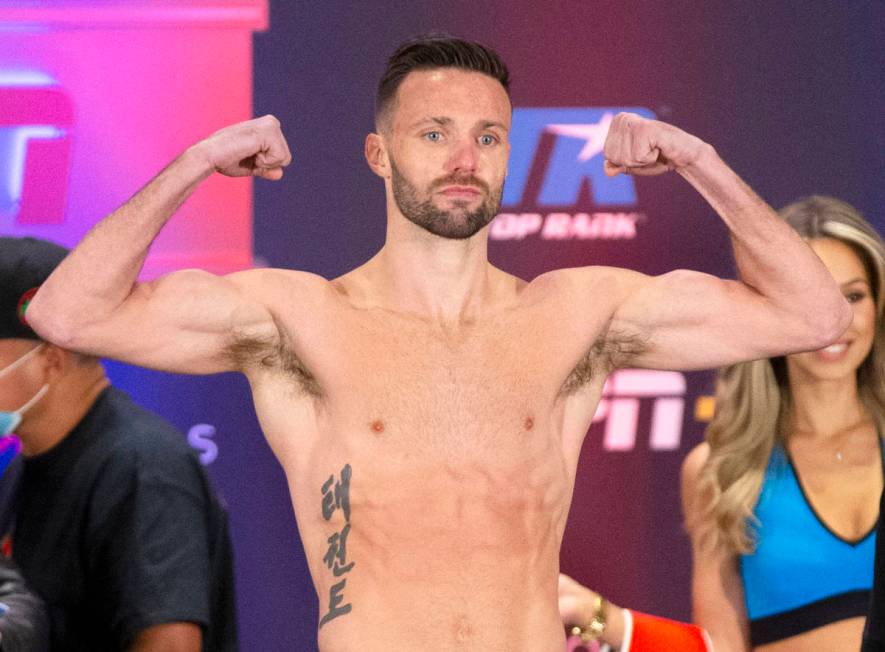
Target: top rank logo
(554, 153)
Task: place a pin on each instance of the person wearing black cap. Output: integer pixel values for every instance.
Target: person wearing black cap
(116, 525)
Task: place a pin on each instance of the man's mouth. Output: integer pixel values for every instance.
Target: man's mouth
(464, 192)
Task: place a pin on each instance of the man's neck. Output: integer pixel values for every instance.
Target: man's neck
(446, 280)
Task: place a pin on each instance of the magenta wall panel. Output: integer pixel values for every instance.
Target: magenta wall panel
(94, 99)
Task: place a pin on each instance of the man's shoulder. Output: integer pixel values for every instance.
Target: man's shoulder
(592, 291)
(588, 276)
(274, 281)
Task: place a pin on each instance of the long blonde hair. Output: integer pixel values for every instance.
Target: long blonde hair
(753, 398)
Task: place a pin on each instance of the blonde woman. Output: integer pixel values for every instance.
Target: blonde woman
(782, 499)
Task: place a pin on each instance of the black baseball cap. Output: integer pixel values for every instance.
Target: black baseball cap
(24, 264)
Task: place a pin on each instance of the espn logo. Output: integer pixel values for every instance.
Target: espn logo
(619, 408)
(36, 117)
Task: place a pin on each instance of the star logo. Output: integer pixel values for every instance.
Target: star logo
(593, 133)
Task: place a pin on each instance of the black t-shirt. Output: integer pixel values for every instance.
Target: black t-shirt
(118, 529)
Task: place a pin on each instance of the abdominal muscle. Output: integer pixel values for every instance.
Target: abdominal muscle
(451, 549)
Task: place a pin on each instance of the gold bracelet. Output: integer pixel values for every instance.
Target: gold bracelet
(593, 630)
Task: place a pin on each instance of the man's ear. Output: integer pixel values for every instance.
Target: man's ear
(376, 155)
(56, 361)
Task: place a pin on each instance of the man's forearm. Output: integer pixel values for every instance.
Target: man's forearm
(101, 271)
(770, 256)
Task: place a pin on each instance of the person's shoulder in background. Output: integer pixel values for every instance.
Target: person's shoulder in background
(24, 626)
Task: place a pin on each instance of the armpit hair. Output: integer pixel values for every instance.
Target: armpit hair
(611, 350)
(273, 352)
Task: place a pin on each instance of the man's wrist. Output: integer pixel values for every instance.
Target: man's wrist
(704, 157)
(196, 162)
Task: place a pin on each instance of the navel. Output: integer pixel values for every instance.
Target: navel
(529, 423)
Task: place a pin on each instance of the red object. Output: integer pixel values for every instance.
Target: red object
(23, 303)
(653, 634)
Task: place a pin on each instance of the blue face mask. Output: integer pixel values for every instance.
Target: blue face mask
(9, 421)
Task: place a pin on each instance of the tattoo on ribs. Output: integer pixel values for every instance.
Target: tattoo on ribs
(336, 495)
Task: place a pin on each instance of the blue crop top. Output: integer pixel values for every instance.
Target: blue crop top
(802, 575)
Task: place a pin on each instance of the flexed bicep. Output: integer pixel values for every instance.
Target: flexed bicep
(187, 321)
(691, 320)
(92, 301)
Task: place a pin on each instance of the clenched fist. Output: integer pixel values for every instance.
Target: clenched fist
(252, 148)
(636, 145)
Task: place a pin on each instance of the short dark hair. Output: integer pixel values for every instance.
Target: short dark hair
(436, 51)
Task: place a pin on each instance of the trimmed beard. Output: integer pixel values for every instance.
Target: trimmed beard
(456, 224)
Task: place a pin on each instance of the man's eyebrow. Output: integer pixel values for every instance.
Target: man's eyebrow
(440, 120)
(486, 124)
(443, 121)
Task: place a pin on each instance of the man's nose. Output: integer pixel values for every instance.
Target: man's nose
(463, 158)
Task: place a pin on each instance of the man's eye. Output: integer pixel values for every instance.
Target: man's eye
(487, 139)
(434, 136)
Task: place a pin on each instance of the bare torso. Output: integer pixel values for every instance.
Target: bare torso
(455, 452)
(436, 425)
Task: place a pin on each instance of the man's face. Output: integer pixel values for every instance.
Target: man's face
(448, 150)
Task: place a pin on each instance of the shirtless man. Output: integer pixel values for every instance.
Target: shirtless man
(428, 408)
